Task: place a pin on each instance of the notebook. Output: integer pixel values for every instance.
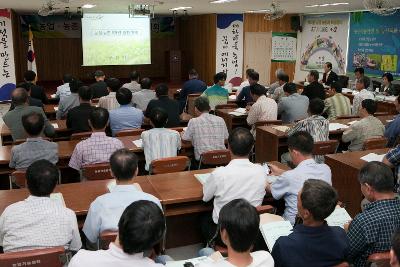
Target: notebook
(272, 230)
(138, 143)
(339, 217)
(373, 157)
(202, 177)
(337, 126)
(59, 197)
(112, 184)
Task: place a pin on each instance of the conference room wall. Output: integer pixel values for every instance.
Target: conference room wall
(56, 56)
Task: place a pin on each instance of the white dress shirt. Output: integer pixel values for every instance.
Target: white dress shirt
(114, 256)
(289, 184)
(358, 98)
(260, 259)
(134, 86)
(38, 222)
(63, 91)
(104, 213)
(239, 179)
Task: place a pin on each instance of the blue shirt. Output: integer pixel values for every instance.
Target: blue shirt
(125, 117)
(192, 86)
(392, 131)
(105, 212)
(312, 247)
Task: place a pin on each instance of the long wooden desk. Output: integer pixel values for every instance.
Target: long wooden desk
(345, 169)
(232, 121)
(270, 142)
(382, 105)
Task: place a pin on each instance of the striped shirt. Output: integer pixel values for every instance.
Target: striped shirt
(217, 95)
(160, 143)
(337, 105)
(206, 132)
(264, 109)
(358, 98)
(109, 101)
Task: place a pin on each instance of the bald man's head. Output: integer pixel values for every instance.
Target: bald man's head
(19, 96)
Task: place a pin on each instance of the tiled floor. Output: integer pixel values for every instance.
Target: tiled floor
(184, 253)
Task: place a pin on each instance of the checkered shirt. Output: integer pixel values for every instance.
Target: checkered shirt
(371, 230)
(96, 149)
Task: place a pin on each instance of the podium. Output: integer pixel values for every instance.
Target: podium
(174, 65)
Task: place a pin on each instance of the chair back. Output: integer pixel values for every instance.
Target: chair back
(54, 257)
(169, 165)
(381, 113)
(348, 117)
(271, 122)
(81, 136)
(236, 81)
(215, 158)
(190, 103)
(130, 132)
(380, 259)
(266, 209)
(325, 147)
(19, 178)
(375, 143)
(106, 238)
(98, 171)
(229, 105)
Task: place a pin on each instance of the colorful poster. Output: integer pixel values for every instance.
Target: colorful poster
(324, 39)
(284, 46)
(55, 26)
(229, 57)
(374, 43)
(7, 65)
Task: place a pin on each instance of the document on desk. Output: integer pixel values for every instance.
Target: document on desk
(238, 114)
(339, 217)
(373, 157)
(138, 143)
(240, 110)
(337, 126)
(56, 108)
(202, 177)
(59, 197)
(232, 97)
(271, 231)
(112, 184)
(281, 128)
(352, 122)
(53, 96)
(55, 125)
(390, 98)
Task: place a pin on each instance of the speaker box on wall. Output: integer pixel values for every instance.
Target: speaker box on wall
(295, 23)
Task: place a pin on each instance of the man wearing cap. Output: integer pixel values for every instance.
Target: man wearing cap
(99, 88)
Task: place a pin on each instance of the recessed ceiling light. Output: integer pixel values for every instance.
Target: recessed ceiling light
(180, 8)
(327, 4)
(222, 1)
(88, 6)
(259, 11)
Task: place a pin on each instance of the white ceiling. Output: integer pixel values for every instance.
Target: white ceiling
(199, 6)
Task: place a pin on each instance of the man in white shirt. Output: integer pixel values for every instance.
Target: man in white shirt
(239, 179)
(109, 101)
(39, 221)
(105, 212)
(288, 183)
(140, 228)
(238, 226)
(363, 94)
(159, 142)
(142, 98)
(245, 82)
(134, 85)
(63, 90)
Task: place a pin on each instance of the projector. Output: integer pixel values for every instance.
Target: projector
(139, 10)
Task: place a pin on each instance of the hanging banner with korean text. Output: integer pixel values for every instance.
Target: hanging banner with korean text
(374, 43)
(7, 65)
(55, 26)
(229, 57)
(284, 46)
(324, 39)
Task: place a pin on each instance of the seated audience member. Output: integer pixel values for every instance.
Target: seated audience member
(64, 90)
(134, 85)
(109, 101)
(99, 88)
(239, 179)
(245, 94)
(31, 101)
(238, 227)
(359, 75)
(387, 86)
(159, 142)
(276, 84)
(313, 243)
(314, 89)
(36, 90)
(283, 79)
(170, 105)
(105, 212)
(35, 147)
(206, 131)
(142, 98)
(294, 106)
(264, 108)
(12, 119)
(140, 228)
(98, 147)
(392, 129)
(289, 183)
(193, 86)
(392, 159)
(125, 117)
(329, 75)
(245, 83)
(39, 221)
(78, 117)
(371, 230)
(368, 127)
(217, 94)
(336, 104)
(69, 102)
(395, 250)
(363, 94)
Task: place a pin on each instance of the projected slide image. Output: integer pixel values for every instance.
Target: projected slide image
(115, 39)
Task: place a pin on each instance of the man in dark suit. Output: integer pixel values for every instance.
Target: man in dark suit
(99, 88)
(78, 117)
(192, 86)
(329, 76)
(314, 89)
(31, 101)
(36, 90)
(169, 105)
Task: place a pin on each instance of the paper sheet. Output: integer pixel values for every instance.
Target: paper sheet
(273, 230)
(56, 108)
(138, 143)
(55, 125)
(234, 113)
(339, 217)
(390, 98)
(281, 128)
(202, 177)
(240, 110)
(373, 157)
(232, 97)
(352, 122)
(347, 90)
(59, 197)
(337, 126)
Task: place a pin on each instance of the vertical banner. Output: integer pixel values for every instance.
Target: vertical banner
(7, 71)
(284, 46)
(324, 39)
(374, 43)
(229, 58)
